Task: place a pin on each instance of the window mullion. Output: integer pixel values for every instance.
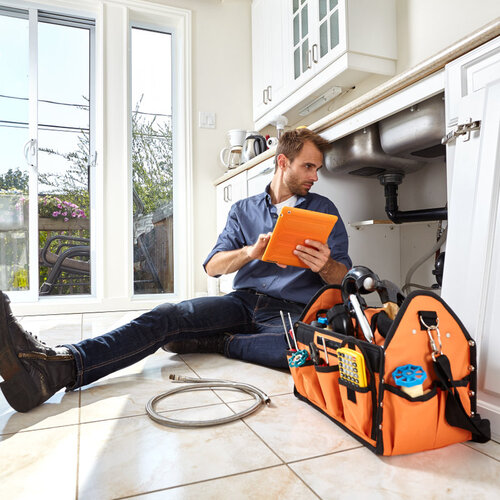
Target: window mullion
(33, 152)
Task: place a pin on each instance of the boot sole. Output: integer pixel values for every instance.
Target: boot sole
(17, 387)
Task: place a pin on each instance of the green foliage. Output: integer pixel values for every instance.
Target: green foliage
(73, 185)
(152, 171)
(14, 179)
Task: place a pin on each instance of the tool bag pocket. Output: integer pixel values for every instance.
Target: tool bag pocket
(307, 383)
(358, 409)
(402, 414)
(379, 410)
(328, 377)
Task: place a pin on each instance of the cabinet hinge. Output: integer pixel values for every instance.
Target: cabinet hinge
(461, 129)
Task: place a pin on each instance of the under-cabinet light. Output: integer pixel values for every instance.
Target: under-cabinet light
(322, 99)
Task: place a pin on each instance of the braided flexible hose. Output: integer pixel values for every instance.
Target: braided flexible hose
(199, 384)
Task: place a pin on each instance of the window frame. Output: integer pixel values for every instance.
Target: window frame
(112, 271)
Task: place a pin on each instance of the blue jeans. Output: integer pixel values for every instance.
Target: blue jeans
(252, 321)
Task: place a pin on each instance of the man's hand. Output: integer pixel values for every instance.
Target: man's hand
(230, 261)
(315, 255)
(256, 251)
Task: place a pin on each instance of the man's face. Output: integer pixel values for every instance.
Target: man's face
(300, 174)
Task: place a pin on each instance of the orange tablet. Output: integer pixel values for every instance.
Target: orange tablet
(294, 226)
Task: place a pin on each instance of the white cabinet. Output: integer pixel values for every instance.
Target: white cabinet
(260, 176)
(227, 193)
(323, 44)
(471, 281)
(269, 63)
(319, 36)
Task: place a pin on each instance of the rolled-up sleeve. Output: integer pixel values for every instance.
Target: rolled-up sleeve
(338, 242)
(231, 237)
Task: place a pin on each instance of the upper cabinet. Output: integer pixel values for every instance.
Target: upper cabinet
(270, 28)
(304, 48)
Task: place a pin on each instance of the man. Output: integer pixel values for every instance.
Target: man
(245, 324)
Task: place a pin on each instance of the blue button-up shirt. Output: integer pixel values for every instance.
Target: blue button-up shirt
(257, 215)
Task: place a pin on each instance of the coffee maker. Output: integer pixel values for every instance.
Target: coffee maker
(231, 156)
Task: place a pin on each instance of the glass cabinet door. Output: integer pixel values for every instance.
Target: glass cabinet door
(328, 18)
(301, 37)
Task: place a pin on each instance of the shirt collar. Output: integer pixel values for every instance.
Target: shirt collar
(300, 199)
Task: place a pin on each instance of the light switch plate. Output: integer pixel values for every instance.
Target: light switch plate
(206, 119)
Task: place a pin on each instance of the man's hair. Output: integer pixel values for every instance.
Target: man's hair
(292, 142)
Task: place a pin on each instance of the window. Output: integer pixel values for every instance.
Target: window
(77, 136)
(152, 161)
(46, 146)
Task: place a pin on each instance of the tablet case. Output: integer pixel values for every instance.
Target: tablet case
(294, 226)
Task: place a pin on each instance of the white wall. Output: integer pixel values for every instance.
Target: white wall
(221, 65)
(222, 83)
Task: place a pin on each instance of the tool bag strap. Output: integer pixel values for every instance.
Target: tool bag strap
(455, 412)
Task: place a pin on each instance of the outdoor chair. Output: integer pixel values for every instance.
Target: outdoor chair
(63, 259)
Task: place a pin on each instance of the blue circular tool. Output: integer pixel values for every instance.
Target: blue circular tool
(409, 375)
(299, 358)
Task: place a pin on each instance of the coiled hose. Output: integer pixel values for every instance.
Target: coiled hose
(200, 384)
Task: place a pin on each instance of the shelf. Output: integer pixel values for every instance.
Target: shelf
(386, 222)
(371, 222)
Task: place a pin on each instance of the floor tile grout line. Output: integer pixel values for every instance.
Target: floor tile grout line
(279, 457)
(77, 482)
(312, 458)
(75, 424)
(202, 481)
(307, 485)
(336, 452)
(480, 451)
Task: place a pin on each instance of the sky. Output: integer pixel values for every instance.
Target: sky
(63, 85)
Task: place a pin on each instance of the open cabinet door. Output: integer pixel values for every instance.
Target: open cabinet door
(471, 281)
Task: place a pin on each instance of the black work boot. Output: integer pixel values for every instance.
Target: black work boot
(32, 372)
(202, 344)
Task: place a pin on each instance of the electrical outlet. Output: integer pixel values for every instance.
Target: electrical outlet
(206, 119)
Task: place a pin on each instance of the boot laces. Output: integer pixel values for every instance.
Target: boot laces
(36, 338)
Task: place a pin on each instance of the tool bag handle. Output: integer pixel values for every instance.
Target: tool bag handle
(455, 412)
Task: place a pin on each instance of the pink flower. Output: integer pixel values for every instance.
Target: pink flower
(55, 214)
(66, 219)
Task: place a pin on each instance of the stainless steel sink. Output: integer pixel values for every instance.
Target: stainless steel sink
(361, 153)
(403, 142)
(415, 131)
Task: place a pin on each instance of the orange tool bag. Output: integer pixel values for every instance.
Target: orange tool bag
(413, 388)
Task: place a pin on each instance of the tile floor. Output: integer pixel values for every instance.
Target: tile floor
(98, 443)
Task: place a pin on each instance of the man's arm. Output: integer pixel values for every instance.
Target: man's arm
(316, 256)
(228, 261)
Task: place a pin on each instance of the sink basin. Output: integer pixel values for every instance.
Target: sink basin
(415, 131)
(361, 153)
